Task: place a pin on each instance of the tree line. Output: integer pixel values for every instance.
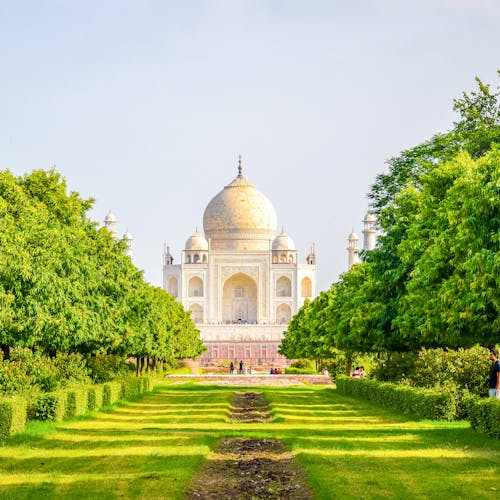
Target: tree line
(66, 285)
(433, 279)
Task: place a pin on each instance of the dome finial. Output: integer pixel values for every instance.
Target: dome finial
(240, 168)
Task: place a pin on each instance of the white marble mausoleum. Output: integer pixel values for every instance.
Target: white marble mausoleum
(241, 280)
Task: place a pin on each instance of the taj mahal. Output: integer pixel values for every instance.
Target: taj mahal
(241, 280)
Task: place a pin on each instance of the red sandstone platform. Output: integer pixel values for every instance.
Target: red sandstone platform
(254, 379)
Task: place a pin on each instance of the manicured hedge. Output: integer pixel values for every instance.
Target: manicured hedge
(147, 384)
(12, 415)
(51, 406)
(484, 416)
(112, 393)
(95, 395)
(423, 403)
(77, 402)
(64, 404)
(131, 387)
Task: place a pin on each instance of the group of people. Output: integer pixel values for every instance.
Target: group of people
(275, 371)
(241, 368)
(359, 372)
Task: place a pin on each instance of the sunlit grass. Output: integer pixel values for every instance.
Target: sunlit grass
(154, 446)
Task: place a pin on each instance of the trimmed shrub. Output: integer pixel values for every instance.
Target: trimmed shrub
(292, 370)
(147, 384)
(131, 386)
(76, 403)
(484, 416)
(95, 394)
(423, 403)
(12, 416)
(112, 393)
(51, 406)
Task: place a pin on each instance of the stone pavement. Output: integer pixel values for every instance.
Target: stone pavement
(254, 379)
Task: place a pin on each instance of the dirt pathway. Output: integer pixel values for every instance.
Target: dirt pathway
(242, 468)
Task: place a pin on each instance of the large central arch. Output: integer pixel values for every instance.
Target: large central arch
(239, 299)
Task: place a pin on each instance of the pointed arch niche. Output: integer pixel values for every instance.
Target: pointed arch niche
(283, 313)
(173, 286)
(196, 313)
(239, 299)
(195, 287)
(306, 287)
(283, 287)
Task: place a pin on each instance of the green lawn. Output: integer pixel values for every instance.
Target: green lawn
(152, 448)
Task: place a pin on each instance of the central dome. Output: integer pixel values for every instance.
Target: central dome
(240, 217)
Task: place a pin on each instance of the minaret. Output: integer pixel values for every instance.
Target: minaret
(110, 223)
(168, 260)
(352, 249)
(311, 258)
(369, 232)
(128, 241)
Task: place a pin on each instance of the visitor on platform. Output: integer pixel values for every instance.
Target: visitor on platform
(355, 373)
(494, 378)
(271, 371)
(241, 366)
(231, 368)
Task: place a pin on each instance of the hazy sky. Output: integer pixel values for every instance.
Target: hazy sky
(146, 105)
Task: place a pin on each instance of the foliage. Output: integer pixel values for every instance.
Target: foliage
(106, 367)
(12, 415)
(434, 278)
(76, 402)
(424, 403)
(95, 395)
(484, 416)
(112, 393)
(51, 406)
(461, 368)
(291, 370)
(67, 287)
(30, 372)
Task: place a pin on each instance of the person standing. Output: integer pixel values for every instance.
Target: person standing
(494, 379)
(241, 366)
(231, 368)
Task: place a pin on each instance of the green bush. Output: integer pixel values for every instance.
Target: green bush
(95, 394)
(292, 370)
(30, 373)
(76, 403)
(112, 393)
(423, 403)
(105, 368)
(461, 369)
(12, 415)
(131, 386)
(484, 416)
(147, 384)
(51, 406)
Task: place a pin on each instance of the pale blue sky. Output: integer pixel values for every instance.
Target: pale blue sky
(146, 105)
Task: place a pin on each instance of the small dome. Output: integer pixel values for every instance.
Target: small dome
(110, 218)
(283, 242)
(128, 236)
(369, 218)
(353, 237)
(196, 242)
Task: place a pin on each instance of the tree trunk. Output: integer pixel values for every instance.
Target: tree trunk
(137, 366)
(349, 364)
